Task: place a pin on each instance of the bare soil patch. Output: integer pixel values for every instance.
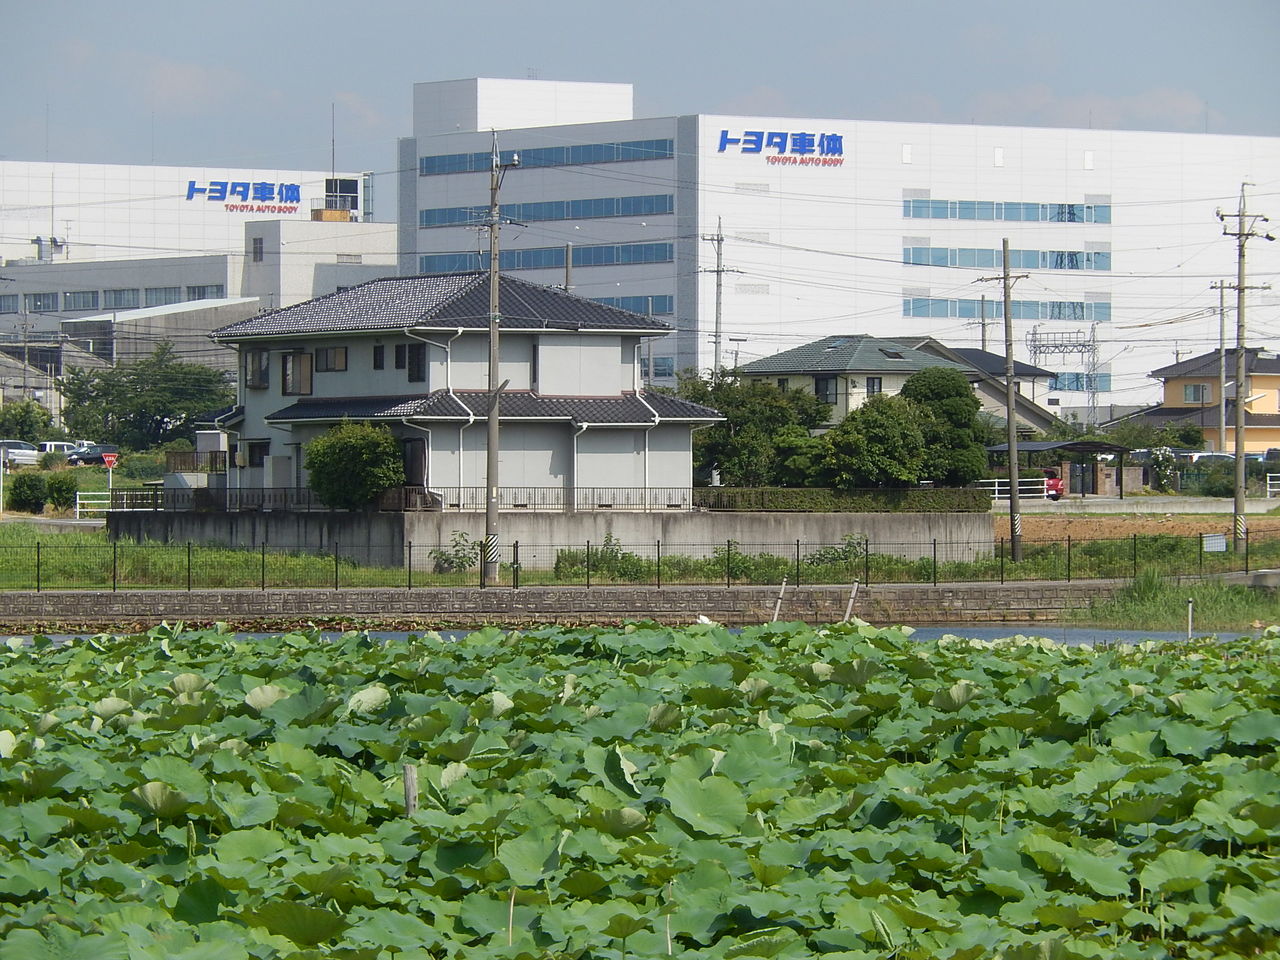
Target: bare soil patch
(1039, 526)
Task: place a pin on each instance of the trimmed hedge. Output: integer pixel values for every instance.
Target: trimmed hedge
(823, 500)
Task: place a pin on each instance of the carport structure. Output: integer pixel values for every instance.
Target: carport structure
(1069, 446)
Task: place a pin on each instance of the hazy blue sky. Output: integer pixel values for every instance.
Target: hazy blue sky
(250, 83)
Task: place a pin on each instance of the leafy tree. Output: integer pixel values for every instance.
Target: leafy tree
(61, 488)
(949, 421)
(353, 463)
(744, 447)
(880, 444)
(26, 491)
(25, 420)
(143, 404)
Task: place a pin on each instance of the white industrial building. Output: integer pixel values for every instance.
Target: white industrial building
(837, 226)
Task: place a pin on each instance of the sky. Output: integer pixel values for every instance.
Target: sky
(254, 83)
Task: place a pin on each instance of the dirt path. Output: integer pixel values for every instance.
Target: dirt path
(1039, 526)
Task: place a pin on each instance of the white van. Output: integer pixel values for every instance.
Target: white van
(57, 446)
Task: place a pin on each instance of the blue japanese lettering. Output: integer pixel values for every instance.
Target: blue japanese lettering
(831, 144)
(217, 190)
(752, 141)
(239, 188)
(290, 193)
(264, 192)
(802, 143)
(778, 140)
(192, 189)
(726, 140)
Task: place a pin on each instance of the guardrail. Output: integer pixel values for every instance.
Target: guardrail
(1273, 485)
(99, 502)
(1029, 488)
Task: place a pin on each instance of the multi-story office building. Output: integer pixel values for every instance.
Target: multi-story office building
(752, 235)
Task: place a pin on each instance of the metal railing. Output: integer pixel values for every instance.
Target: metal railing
(195, 461)
(96, 503)
(1029, 488)
(1273, 485)
(52, 565)
(552, 499)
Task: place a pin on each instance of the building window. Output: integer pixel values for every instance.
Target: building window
(331, 359)
(1082, 310)
(549, 258)
(257, 369)
(662, 367)
(550, 156)
(121, 299)
(783, 383)
(80, 300)
(642, 206)
(8, 303)
(929, 209)
(1079, 382)
(1195, 393)
(208, 291)
(658, 305)
(1018, 259)
(295, 374)
(402, 352)
(824, 388)
(40, 302)
(874, 385)
(350, 258)
(379, 356)
(259, 450)
(162, 296)
(417, 362)
(256, 249)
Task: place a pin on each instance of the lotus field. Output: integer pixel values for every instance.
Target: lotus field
(788, 791)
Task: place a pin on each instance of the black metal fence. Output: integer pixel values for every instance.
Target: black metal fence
(189, 566)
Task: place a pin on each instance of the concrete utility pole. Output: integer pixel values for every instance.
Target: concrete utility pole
(1245, 228)
(1010, 401)
(983, 321)
(718, 239)
(489, 565)
(1221, 287)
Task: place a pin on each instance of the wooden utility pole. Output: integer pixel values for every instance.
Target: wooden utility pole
(1246, 227)
(489, 565)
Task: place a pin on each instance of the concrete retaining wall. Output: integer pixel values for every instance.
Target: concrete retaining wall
(23, 611)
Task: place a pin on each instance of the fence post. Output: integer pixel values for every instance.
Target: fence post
(37, 566)
(1068, 558)
(188, 566)
(1200, 551)
(115, 564)
(659, 565)
(409, 565)
(1002, 560)
(935, 561)
(335, 564)
(797, 563)
(728, 576)
(264, 564)
(866, 560)
(1246, 550)
(1135, 556)
(515, 564)
(588, 563)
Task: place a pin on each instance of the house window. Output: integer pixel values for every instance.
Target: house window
(1195, 393)
(256, 249)
(824, 388)
(874, 385)
(402, 351)
(257, 371)
(783, 383)
(329, 359)
(80, 300)
(417, 362)
(295, 374)
(379, 356)
(162, 296)
(258, 452)
(121, 299)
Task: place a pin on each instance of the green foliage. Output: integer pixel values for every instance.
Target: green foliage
(25, 420)
(1218, 481)
(143, 404)
(639, 792)
(745, 447)
(954, 453)
(352, 464)
(146, 465)
(463, 553)
(880, 444)
(1137, 434)
(51, 460)
(1164, 469)
(61, 487)
(827, 500)
(26, 491)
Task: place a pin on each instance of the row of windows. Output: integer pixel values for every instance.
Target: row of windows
(549, 156)
(1084, 311)
(662, 366)
(657, 305)
(1018, 259)
(993, 210)
(124, 299)
(296, 367)
(1080, 382)
(543, 258)
(553, 210)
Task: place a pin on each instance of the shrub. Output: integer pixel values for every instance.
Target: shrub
(142, 466)
(26, 492)
(353, 463)
(51, 460)
(463, 553)
(61, 489)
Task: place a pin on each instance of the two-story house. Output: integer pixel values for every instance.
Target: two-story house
(844, 371)
(1193, 394)
(412, 353)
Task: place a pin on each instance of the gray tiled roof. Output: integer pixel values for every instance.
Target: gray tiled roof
(849, 354)
(516, 405)
(992, 364)
(1207, 416)
(438, 302)
(1256, 361)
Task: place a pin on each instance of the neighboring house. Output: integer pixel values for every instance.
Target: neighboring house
(1193, 394)
(1029, 381)
(412, 353)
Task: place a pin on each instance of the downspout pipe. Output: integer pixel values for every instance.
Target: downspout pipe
(448, 354)
(656, 420)
(582, 428)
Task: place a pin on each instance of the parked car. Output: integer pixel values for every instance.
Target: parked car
(90, 454)
(18, 453)
(58, 446)
(1054, 488)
